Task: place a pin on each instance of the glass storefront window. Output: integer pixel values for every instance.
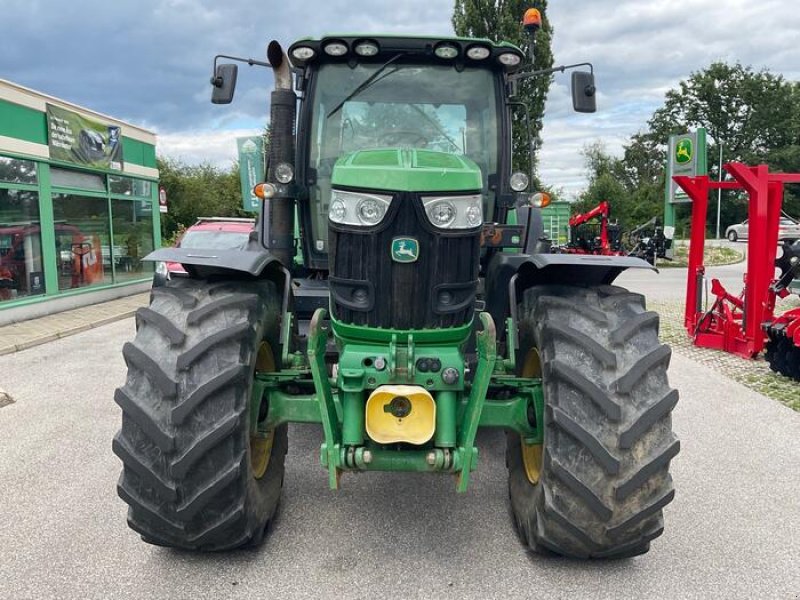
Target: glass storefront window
(127, 186)
(13, 170)
(133, 238)
(83, 249)
(21, 270)
(77, 179)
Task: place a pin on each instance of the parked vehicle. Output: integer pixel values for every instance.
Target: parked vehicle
(209, 233)
(788, 229)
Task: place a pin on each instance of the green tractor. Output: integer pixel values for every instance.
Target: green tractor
(398, 291)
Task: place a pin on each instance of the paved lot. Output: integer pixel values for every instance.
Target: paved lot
(732, 532)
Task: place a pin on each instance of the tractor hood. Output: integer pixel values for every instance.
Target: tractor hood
(407, 170)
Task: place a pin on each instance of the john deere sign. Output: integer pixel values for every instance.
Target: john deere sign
(687, 156)
(77, 139)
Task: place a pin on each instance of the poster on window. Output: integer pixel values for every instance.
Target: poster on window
(78, 139)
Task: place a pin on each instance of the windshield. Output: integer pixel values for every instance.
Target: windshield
(406, 105)
(214, 240)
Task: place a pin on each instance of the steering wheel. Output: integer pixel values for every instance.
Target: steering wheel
(394, 137)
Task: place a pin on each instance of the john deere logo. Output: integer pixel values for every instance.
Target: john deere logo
(405, 250)
(684, 151)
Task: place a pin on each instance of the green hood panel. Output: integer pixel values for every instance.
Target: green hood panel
(407, 170)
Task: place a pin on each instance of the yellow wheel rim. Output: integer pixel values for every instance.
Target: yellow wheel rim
(261, 443)
(532, 454)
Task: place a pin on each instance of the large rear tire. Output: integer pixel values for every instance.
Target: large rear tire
(598, 485)
(194, 475)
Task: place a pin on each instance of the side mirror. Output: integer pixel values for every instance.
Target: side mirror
(224, 82)
(583, 92)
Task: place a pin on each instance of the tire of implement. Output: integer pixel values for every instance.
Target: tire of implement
(185, 442)
(604, 473)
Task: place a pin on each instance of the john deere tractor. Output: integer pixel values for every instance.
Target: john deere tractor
(397, 291)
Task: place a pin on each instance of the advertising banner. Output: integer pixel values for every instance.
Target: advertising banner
(251, 169)
(78, 139)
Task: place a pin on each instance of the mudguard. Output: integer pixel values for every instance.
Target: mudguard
(508, 275)
(206, 262)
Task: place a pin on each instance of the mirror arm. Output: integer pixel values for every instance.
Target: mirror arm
(216, 82)
(522, 75)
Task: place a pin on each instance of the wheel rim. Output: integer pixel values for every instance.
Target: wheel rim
(261, 442)
(532, 454)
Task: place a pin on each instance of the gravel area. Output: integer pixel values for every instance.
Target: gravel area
(754, 374)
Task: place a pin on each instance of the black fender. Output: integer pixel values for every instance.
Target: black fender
(509, 275)
(204, 263)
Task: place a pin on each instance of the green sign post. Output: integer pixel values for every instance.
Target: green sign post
(686, 156)
(251, 169)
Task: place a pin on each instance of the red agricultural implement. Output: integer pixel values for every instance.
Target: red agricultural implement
(743, 324)
(593, 232)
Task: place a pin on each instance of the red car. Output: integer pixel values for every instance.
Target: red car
(209, 233)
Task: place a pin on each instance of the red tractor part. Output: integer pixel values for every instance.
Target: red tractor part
(737, 323)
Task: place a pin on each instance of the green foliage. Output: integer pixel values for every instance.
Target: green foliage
(198, 191)
(500, 20)
(754, 115)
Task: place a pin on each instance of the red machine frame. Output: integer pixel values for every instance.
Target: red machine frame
(603, 212)
(735, 324)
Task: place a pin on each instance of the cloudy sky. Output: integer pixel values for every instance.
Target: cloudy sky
(148, 61)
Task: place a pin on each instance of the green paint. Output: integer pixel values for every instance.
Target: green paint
(347, 332)
(445, 435)
(405, 250)
(317, 343)
(407, 170)
(353, 409)
(48, 231)
(512, 413)
(487, 353)
(138, 153)
(23, 123)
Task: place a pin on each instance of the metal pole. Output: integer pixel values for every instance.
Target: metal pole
(719, 191)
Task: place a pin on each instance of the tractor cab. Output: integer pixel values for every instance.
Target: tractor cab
(386, 109)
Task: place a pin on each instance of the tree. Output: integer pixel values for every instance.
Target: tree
(753, 114)
(500, 20)
(198, 191)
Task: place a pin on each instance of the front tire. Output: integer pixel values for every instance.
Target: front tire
(193, 475)
(598, 485)
(732, 236)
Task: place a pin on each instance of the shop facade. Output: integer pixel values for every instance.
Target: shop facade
(78, 203)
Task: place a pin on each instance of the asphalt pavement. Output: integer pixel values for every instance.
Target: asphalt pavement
(733, 530)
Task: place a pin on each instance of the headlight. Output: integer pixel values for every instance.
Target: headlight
(356, 208)
(284, 173)
(454, 212)
(161, 269)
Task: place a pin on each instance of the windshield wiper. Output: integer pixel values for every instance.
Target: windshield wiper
(364, 84)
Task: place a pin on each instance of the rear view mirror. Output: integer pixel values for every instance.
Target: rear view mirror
(583, 92)
(224, 82)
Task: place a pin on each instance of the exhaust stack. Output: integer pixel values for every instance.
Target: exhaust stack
(278, 213)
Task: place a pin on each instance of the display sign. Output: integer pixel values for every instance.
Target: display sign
(251, 169)
(78, 139)
(687, 156)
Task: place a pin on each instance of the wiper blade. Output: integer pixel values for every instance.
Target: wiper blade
(364, 85)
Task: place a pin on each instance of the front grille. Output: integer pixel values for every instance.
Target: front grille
(369, 288)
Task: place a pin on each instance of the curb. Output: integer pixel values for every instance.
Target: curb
(61, 334)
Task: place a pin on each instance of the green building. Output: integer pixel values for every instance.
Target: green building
(78, 205)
